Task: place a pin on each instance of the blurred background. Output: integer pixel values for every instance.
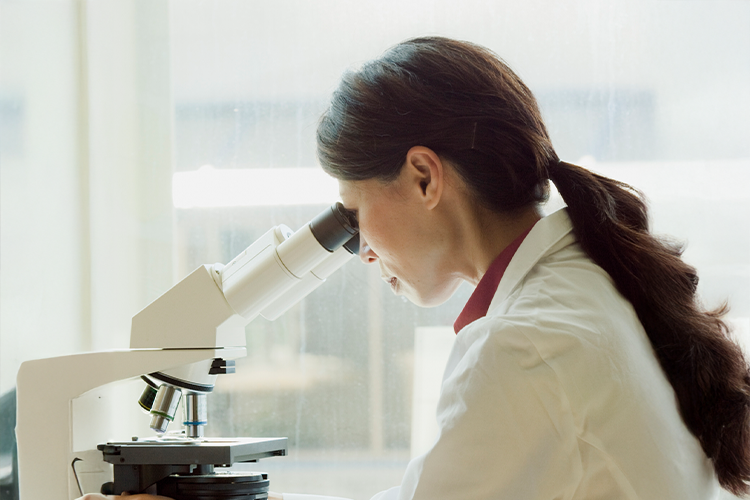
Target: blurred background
(142, 138)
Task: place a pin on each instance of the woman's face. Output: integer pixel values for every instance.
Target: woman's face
(403, 238)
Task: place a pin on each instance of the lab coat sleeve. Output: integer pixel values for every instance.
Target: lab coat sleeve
(506, 429)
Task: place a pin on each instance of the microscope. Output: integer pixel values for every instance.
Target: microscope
(179, 344)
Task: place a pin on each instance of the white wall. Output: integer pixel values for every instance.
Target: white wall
(41, 211)
(86, 206)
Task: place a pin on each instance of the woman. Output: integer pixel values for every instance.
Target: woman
(583, 366)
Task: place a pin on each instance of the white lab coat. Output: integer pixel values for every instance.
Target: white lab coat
(556, 394)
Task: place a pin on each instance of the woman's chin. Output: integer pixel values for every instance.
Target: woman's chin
(427, 299)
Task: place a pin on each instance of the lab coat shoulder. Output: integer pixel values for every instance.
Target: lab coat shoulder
(504, 422)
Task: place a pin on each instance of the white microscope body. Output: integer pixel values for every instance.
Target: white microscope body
(179, 344)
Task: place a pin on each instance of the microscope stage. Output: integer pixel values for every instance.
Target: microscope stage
(215, 451)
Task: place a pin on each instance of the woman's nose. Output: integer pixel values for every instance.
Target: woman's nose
(365, 252)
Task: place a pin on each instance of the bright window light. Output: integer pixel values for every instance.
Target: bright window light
(213, 187)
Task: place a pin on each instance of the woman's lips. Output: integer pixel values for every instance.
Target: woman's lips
(391, 281)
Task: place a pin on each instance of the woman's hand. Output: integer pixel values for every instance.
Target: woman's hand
(275, 496)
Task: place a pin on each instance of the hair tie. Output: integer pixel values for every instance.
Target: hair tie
(552, 167)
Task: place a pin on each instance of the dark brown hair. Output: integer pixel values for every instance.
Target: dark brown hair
(463, 102)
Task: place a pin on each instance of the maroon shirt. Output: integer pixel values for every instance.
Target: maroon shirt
(480, 300)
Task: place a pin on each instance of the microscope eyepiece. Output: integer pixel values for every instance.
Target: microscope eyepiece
(353, 245)
(334, 227)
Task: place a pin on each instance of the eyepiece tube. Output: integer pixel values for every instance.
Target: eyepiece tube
(312, 280)
(278, 268)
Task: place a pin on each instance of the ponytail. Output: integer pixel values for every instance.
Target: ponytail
(705, 367)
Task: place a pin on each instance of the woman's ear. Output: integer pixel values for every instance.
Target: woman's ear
(425, 173)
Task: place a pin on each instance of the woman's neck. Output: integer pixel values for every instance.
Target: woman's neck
(485, 235)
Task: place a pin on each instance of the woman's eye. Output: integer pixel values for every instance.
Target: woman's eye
(353, 219)
(350, 215)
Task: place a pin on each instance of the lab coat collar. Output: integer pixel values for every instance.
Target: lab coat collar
(550, 234)
(479, 302)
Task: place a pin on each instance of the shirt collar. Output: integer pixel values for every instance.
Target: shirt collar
(480, 300)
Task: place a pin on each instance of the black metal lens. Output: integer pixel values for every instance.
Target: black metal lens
(334, 226)
(146, 401)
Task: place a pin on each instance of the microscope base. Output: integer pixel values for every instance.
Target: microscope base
(229, 485)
